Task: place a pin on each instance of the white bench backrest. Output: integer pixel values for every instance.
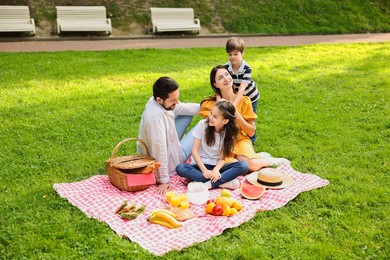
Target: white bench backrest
(14, 14)
(81, 12)
(177, 14)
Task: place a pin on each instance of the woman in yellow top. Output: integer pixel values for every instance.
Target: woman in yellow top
(221, 83)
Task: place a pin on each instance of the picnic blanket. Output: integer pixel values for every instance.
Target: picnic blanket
(97, 198)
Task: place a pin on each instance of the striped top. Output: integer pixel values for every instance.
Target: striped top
(244, 74)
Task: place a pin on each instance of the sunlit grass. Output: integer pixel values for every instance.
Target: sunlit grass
(325, 107)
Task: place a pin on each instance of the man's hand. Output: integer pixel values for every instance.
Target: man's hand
(163, 188)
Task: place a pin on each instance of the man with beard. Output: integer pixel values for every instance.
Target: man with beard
(162, 127)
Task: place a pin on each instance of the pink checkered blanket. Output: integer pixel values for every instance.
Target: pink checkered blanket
(97, 198)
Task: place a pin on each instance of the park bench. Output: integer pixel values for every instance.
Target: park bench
(82, 18)
(173, 19)
(16, 19)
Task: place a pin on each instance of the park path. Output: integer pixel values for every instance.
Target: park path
(57, 44)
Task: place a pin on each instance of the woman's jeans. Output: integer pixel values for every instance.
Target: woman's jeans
(229, 172)
(181, 124)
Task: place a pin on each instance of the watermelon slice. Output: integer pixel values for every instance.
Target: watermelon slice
(250, 191)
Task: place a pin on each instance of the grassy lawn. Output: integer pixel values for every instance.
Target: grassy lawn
(325, 107)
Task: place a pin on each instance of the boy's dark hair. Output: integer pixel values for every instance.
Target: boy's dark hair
(230, 129)
(235, 44)
(163, 87)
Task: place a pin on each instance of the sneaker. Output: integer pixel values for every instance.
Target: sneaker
(233, 184)
(195, 186)
(264, 155)
(277, 161)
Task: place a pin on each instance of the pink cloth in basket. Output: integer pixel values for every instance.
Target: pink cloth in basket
(97, 198)
(141, 179)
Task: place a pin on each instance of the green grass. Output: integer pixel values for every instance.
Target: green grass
(325, 107)
(305, 16)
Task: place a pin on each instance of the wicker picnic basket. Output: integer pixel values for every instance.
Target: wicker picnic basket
(124, 170)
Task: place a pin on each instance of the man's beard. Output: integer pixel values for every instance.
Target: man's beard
(169, 108)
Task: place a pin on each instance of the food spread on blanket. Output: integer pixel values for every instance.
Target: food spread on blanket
(130, 210)
(223, 205)
(164, 218)
(94, 197)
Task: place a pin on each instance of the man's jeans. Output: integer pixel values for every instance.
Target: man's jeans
(181, 124)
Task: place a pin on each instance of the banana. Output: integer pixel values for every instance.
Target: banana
(167, 218)
(162, 223)
(154, 211)
(164, 217)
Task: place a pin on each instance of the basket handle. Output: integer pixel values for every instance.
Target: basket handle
(123, 141)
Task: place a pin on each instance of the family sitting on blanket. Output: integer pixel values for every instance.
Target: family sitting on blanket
(165, 120)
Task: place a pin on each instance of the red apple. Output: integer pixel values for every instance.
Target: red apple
(217, 211)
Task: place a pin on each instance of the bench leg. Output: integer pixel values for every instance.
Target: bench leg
(33, 24)
(151, 29)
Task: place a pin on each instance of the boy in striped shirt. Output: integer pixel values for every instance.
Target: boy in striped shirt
(241, 73)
